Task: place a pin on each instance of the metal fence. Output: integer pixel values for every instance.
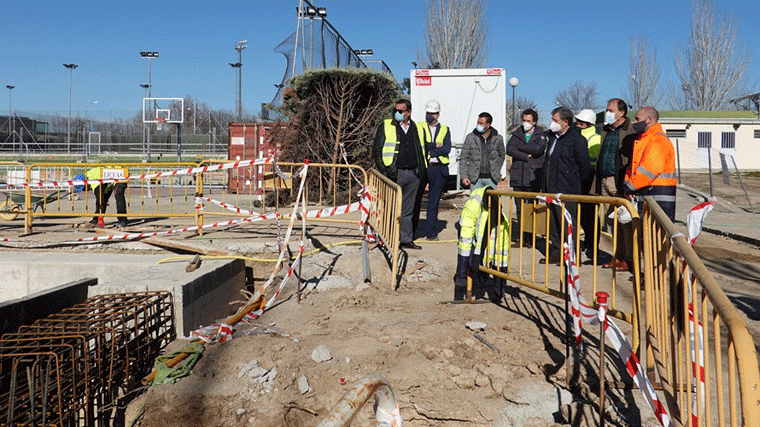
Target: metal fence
(704, 355)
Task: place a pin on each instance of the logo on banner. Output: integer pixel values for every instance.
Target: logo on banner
(421, 72)
(493, 71)
(423, 81)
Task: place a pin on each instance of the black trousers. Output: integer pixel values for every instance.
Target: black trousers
(589, 223)
(103, 193)
(437, 174)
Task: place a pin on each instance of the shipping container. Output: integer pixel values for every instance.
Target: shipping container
(250, 141)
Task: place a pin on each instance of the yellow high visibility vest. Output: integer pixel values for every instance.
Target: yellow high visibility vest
(473, 226)
(390, 146)
(438, 139)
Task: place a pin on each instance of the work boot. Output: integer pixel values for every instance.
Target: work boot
(122, 222)
(101, 223)
(459, 292)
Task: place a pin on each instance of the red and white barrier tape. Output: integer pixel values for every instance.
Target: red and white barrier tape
(222, 332)
(176, 172)
(694, 220)
(582, 311)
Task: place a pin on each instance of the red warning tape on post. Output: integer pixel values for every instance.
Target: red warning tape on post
(582, 311)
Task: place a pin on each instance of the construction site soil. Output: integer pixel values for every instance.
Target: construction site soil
(302, 356)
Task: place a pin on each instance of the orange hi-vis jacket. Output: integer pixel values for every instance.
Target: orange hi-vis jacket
(652, 171)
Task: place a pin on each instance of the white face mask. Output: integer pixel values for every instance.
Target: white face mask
(609, 118)
(527, 126)
(555, 127)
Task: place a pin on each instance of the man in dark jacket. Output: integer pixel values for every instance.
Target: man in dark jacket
(399, 154)
(615, 153)
(566, 166)
(526, 147)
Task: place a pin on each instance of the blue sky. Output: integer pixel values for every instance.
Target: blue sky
(548, 45)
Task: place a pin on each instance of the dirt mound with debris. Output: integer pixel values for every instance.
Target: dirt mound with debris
(302, 357)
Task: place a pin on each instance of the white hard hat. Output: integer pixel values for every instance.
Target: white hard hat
(587, 116)
(432, 106)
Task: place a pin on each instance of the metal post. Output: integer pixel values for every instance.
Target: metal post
(709, 167)
(148, 128)
(71, 68)
(179, 142)
(601, 299)
(513, 106)
(678, 159)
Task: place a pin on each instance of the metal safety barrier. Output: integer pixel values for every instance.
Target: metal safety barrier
(536, 219)
(72, 367)
(11, 197)
(704, 355)
(384, 217)
(170, 196)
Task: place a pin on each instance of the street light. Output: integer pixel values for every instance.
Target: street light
(241, 44)
(71, 68)
(84, 133)
(513, 82)
(237, 65)
(150, 56)
(10, 111)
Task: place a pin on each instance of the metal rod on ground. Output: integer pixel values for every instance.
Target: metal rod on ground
(601, 299)
(365, 261)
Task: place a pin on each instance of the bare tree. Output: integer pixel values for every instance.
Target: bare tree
(712, 66)
(455, 34)
(643, 88)
(578, 96)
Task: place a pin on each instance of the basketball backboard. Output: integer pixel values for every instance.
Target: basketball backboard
(166, 110)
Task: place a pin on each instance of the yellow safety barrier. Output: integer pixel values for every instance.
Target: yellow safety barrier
(690, 322)
(384, 216)
(171, 196)
(536, 219)
(11, 199)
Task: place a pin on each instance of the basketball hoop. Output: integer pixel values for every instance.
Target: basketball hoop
(160, 123)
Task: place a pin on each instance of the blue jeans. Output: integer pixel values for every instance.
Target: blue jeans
(482, 182)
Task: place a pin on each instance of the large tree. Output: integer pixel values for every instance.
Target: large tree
(455, 34)
(643, 88)
(578, 96)
(711, 67)
(336, 108)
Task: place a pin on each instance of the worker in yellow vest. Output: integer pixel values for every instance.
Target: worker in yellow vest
(477, 246)
(400, 155)
(437, 140)
(585, 120)
(103, 192)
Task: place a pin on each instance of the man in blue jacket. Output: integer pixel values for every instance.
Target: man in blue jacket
(437, 138)
(566, 167)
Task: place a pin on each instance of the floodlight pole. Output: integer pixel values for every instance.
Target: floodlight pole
(84, 133)
(71, 68)
(150, 56)
(10, 112)
(241, 44)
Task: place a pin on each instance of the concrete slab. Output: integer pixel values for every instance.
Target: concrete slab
(29, 272)
(200, 297)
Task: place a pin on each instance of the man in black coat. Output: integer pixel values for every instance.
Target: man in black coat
(566, 167)
(526, 147)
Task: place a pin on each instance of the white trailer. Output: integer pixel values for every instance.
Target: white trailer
(463, 94)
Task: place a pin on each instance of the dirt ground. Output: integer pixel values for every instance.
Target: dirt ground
(440, 372)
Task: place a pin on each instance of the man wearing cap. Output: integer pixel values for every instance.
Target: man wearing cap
(399, 154)
(585, 120)
(437, 140)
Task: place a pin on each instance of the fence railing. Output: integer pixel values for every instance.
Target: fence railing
(692, 327)
(384, 216)
(536, 219)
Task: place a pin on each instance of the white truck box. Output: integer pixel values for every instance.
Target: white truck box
(463, 94)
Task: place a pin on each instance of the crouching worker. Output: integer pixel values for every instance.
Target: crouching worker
(476, 246)
(103, 192)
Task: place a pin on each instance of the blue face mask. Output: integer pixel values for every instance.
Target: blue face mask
(430, 118)
(480, 129)
(398, 116)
